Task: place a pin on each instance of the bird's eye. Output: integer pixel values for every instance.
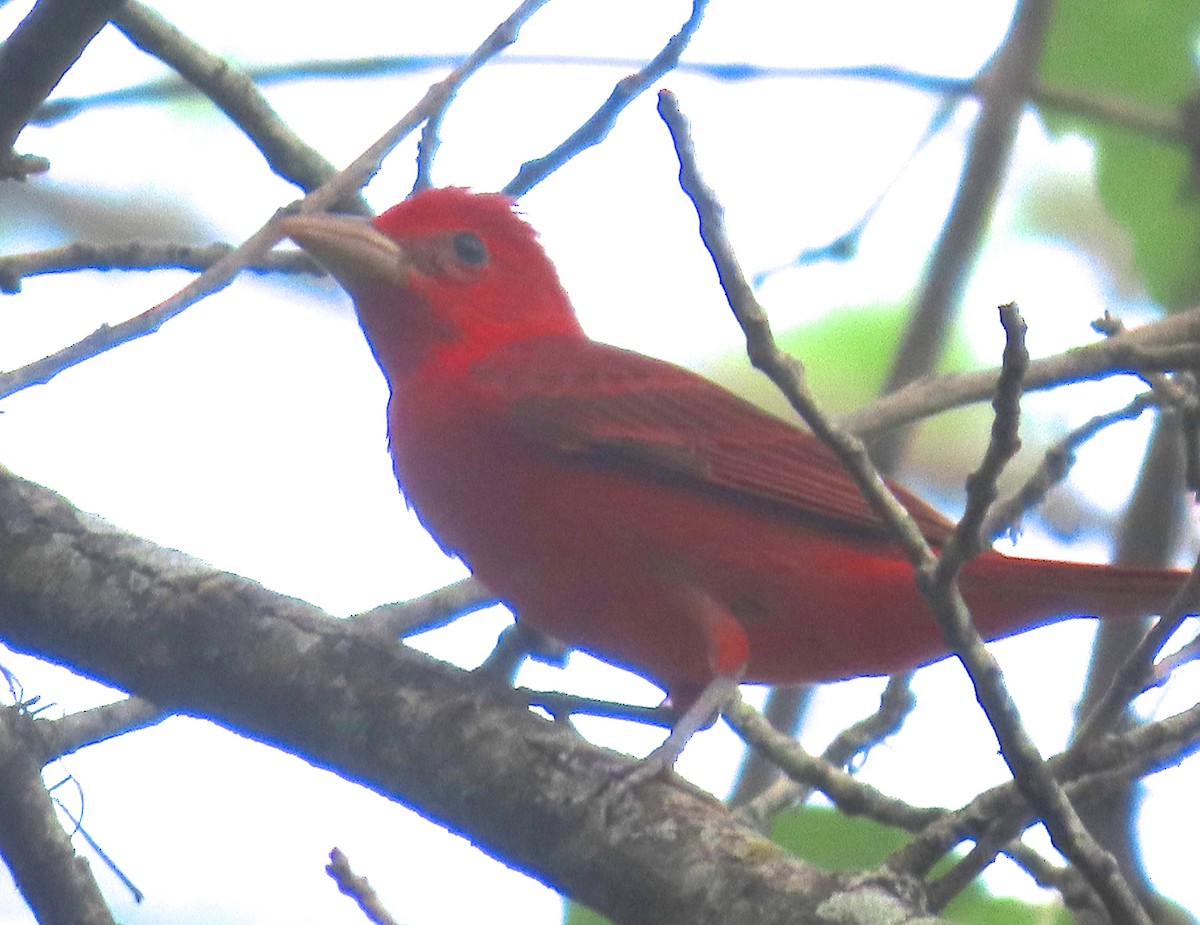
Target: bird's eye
(469, 249)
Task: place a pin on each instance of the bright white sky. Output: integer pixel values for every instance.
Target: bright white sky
(250, 431)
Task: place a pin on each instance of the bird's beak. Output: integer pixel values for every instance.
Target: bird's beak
(351, 250)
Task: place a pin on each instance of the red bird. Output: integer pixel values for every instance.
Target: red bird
(630, 507)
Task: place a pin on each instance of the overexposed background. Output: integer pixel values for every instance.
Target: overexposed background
(250, 431)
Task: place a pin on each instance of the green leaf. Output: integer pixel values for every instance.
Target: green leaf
(829, 839)
(846, 354)
(1142, 51)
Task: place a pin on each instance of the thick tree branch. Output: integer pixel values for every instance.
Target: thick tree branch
(32, 62)
(467, 754)
(59, 737)
(55, 882)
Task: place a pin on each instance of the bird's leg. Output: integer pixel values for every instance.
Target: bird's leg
(701, 714)
(728, 651)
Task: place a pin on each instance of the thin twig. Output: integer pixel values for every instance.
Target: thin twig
(784, 708)
(139, 255)
(1131, 680)
(561, 706)
(1133, 753)
(784, 370)
(234, 93)
(1003, 88)
(895, 704)
(849, 795)
(219, 275)
(1030, 773)
(1134, 352)
(598, 125)
(105, 858)
(437, 608)
(357, 888)
(427, 149)
(1163, 123)
(155, 91)
(1003, 445)
(1056, 462)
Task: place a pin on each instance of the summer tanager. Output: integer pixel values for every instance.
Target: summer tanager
(630, 507)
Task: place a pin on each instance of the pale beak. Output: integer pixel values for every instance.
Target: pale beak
(351, 250)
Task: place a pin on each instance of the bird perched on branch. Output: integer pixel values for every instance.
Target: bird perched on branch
(630, 507)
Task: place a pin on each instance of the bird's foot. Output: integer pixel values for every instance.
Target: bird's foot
(702, 712)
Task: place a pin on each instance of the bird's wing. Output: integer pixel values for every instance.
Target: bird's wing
(630, 413)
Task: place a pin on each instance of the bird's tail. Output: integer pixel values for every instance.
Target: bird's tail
(1007, 594)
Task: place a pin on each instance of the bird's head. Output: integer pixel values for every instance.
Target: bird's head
(446, 273)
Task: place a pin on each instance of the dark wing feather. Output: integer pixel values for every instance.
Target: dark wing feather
(629, 412)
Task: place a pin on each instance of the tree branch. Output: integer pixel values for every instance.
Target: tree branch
(333, 190)
(140, 255)
(600, 123)
(466, 754)
(32, 62)
(234, 94)
(1132, 353)
(56, 883)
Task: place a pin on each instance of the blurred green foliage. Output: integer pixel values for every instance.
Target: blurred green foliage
(833, 841)
(1142, 52)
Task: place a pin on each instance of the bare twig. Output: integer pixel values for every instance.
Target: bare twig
(357, 888)
(1030, 773)
(105, 858)
(849, 795)
(1004, 88)
(784, 708)
(234, 93)
(139, 255)
(1164, 123)
(1091, 774)
(1006, 513)
(783, 370)
(996, 816)
(32, 62)
(1131, 680)
(896, 703)
(333, 190)
(44, 866)
(60, 737)
(598, 125)
(1134, 352)
(154, 91)
(427, 148)
(562, 706)
(437, 608)
(969, 539)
